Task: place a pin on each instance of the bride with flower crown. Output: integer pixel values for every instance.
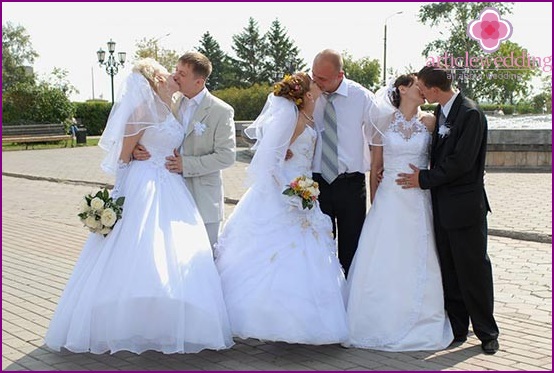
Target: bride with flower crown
(151, 283)
(281, 277)
(395, 299)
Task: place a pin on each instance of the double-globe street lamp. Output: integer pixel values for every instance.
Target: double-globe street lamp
(112, 66)
(385, 48)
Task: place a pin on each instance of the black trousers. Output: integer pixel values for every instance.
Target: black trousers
(467, 279)
(344, 201)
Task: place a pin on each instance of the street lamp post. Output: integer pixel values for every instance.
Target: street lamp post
(385, 48)
(112, 66)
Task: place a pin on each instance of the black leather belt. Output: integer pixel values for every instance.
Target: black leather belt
(348, 175)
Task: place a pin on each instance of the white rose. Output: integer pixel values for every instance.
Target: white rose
(83, 206)
(302, 184)
(96, 203)
(108, 217)
(313, 191)
(105, 230)
(309, 182)
(92, 223)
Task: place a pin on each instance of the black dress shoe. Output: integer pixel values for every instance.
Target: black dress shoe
(490, 347)
(460, 338)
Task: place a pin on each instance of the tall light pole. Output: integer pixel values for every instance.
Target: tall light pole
(112, 66)
(155, 41)
(385, 48)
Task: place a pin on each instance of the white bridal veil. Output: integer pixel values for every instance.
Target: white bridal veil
(137, 107)
(272, 130)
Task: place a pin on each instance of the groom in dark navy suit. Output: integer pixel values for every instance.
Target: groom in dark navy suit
(460, 207)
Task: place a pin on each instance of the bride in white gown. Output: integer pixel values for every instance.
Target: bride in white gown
(151, 283)
(395, 300)
(281, 277)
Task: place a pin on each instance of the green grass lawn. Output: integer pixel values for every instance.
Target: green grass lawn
(46, 145)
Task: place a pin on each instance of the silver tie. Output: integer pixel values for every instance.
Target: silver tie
(329, 156)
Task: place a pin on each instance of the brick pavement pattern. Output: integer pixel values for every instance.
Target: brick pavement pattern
(42, 238)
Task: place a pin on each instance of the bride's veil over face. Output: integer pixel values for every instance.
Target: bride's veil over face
(273, 130)
(137, 107)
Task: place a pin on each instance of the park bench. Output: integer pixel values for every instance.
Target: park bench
(33, 133)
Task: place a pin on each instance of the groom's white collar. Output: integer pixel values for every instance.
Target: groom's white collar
(446, 108)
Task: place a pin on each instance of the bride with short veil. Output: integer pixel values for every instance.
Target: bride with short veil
(151, 283)
(395, 300)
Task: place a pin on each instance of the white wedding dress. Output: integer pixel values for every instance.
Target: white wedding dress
(281, 277)
(395, 300)
(151, 283)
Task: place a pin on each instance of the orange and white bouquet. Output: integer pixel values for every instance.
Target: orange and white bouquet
(100, 212)
(304, 188)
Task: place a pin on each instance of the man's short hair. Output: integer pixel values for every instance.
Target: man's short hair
(436, 76)
(201, 65)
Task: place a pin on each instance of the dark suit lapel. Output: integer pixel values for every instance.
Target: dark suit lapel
(451, 119)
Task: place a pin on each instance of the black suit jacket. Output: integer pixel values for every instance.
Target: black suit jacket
(457, 165)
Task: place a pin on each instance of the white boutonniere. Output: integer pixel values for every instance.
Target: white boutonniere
(444, 130)
(199, 128)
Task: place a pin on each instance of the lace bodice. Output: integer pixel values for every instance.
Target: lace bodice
(162, 139)
(303, 150)
(405, 142)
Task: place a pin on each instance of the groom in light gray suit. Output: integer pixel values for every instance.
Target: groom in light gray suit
(209, 143)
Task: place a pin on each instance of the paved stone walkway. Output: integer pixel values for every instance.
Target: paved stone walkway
(42, 237)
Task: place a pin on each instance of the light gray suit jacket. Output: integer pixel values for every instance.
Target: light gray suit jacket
(205, 153)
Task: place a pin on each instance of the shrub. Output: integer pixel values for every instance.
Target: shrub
(27, 103)
(93, 115)
(247, 102)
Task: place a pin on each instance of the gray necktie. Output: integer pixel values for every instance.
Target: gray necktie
(442, 118)
(329, 154)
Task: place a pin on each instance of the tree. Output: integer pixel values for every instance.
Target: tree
(222, 70)
(364, 71)
(58, 79)
(504, 86)
(18, 56)
(282, 54)
(250, 48)
(454, 18)
(149, 47)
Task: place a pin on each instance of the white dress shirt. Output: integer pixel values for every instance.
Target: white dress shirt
(446, 108)
(189, 106)
(352, 106)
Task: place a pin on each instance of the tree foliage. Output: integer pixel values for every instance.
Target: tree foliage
(282, 54)
(150, 47)
(18, 56)
(453, 19)
(222, 68)
(364, 71)
(250, 48)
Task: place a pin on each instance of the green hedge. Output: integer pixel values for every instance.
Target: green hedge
(93, 115)
(247, 102)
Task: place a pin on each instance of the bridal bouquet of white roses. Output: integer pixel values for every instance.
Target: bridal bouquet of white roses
(304, 188)
(100, 212)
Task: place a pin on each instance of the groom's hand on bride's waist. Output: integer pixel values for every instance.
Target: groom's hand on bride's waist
(407, 181)
(174, 163)
(140, 153)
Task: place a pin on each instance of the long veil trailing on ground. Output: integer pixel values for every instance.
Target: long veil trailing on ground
(137, 108)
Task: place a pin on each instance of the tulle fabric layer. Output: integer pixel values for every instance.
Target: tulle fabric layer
(281, 278)
(151, 284)
(395, 300)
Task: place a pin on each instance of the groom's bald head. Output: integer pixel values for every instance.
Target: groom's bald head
(327, 70)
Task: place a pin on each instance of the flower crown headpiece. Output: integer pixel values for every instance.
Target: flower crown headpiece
(293, 85)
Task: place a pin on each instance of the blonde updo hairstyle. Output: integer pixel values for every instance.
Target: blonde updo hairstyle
(152, 70)
(293, 87)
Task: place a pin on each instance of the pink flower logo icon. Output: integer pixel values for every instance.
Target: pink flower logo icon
(489, 30)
